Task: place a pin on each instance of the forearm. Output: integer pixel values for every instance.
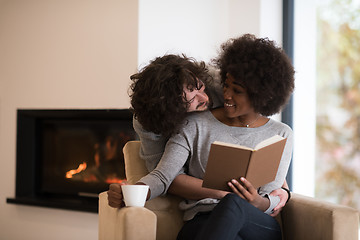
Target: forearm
(170, 165)
(189, 187)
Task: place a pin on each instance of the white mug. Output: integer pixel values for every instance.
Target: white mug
(135, 195)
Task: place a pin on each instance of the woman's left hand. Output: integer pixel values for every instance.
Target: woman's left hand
(249, 193)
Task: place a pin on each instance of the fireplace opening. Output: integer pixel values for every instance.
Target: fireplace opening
(65, 158)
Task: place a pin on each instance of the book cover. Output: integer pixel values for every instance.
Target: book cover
(230, 161)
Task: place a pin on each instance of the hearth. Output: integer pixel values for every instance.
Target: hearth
(65, 158)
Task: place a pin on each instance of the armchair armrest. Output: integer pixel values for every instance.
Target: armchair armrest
(129, 223)
(309, 218)
(161, 218)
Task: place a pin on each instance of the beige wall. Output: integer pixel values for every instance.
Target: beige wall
(59, 54)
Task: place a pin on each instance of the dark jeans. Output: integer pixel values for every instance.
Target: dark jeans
(233, 218)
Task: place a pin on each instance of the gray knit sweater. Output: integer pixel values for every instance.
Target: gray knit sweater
(188, 151)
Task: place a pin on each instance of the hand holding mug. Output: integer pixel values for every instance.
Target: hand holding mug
(115, 196)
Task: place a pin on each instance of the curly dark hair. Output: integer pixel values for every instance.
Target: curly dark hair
(157, 95)
(262, 68)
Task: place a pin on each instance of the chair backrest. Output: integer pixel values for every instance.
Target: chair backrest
(134, 166)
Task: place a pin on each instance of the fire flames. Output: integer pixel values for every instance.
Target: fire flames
(106, 153)
(81, 167)
(89, 176)
(110, 180)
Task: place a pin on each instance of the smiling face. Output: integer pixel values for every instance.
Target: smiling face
(237, 104)
(195, 97)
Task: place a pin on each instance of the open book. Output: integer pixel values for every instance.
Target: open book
(230, 161)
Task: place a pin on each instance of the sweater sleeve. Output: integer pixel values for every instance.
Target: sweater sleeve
(171, 164)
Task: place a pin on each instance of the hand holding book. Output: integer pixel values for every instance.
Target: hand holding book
(247, 191)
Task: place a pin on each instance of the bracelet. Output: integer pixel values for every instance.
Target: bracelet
(288, 192)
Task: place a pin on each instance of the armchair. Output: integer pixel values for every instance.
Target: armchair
(303, 218)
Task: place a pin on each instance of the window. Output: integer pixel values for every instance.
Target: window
(327, 100)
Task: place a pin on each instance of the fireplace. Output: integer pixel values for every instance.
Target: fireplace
(65, 158)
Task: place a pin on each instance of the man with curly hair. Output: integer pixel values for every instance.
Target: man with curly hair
(162, 95)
